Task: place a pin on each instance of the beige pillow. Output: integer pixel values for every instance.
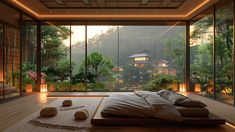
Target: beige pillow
(191, 103)
(67, 103)
(81, 114)
(48, 111)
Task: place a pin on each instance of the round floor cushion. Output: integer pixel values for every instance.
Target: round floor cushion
(67, 103)
(48, 111)
(81, 114)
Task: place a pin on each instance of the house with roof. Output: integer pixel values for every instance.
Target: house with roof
(163, 67)
(140, 60)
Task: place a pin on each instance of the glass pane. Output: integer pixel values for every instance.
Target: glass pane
(55, 61)
(102, 58)
(1, 61)
(151, 57)
(201, 54)
(224, 51)
(12, 61)
(29, 56)
(77, 57)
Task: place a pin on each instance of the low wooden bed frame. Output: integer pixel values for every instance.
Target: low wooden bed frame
(97, 119)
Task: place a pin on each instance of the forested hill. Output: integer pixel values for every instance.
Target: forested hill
(132, 40)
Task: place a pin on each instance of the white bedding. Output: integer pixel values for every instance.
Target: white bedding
(140, 104)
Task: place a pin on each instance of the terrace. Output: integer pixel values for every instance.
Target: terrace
(96, 48)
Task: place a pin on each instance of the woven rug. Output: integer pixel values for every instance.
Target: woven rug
(64, 120)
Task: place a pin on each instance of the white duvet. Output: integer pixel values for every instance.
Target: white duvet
(142, 104)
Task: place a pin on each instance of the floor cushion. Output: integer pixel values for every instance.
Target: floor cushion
(48, 111)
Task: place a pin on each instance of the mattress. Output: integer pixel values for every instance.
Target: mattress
(192, 111)
(98, 119)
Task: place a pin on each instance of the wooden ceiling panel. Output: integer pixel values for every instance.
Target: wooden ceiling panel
(115, 4)
(174, 4)
(154, 4)
(76, 4)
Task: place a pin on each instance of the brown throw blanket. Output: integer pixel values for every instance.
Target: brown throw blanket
(141, 104)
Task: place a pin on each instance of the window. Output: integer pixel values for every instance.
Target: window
(224, 51)
(201, 54)
(55, 61)
(149, 54)
(29, 55)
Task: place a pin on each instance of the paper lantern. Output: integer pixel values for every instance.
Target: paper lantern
(29, 88)
(43, 88)
(175, 87)
(52, 88)
(182, 87)
(197, 88)
(1, 77)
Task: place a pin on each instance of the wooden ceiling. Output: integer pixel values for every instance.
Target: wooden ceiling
(113, 9)
(112, 4)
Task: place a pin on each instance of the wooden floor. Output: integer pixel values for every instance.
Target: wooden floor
(16, 110)
(216, 107)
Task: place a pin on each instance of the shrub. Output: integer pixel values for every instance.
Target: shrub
(160, 82)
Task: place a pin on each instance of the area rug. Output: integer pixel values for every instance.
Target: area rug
(64, 120)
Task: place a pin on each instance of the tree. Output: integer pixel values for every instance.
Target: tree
(175, 53)
(52, 47)
(98, 65)
(63, 69)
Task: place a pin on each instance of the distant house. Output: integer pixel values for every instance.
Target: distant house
(140, 60)
(162, 67)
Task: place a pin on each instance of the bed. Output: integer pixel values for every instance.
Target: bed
(151, 108)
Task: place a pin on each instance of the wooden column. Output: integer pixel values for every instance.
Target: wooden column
(234, 52)
(21, 48)
(214, 53)
(38, 55)
(187, 56)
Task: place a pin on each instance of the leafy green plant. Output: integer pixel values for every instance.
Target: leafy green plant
(161, 82)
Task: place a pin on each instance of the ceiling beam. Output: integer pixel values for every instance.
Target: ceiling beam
(144, 2)
(86, 2)
(59, 2)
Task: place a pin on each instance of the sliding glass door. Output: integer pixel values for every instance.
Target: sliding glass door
(212, 51)
(151, 57)
(201, 54)
(224, 51)
(55, 57)
(112, 58)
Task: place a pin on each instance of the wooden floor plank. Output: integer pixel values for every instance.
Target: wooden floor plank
(16, 110)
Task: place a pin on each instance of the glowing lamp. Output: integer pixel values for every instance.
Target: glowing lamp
(175, 87)
(29, 88)
(1, 77)
(182, 87)
(43, 88)
(197, 88)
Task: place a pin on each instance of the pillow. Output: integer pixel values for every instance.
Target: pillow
(164, 93)
(191, 103)
(175, 98)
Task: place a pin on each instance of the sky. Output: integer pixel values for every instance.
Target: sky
(78, 33)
